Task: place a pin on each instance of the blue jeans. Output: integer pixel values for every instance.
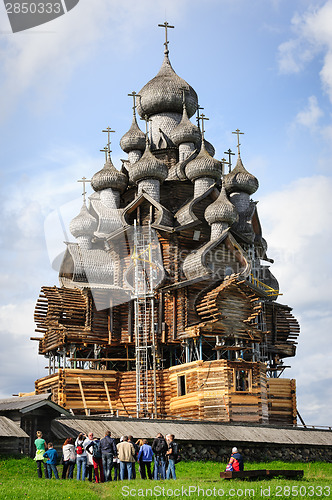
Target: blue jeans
(68, 467)
(159, 467)
(107, 466)
(171, 469)
(50, 468)
(126, 466)
(81, 464)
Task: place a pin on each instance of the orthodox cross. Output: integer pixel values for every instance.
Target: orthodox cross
(84, 180)
(230, 154)
(198, 115)
(134, 95)
(203, 117)
(105, 150)
(108, 146)
(237, 132)
(166, 26)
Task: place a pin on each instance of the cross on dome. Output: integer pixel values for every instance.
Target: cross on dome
(198, 116)
(230, 154)
(202, 117)
(134, 95)
(238, 133)
(84, 180)
(108, 146)
(166, 26)
(105, 150)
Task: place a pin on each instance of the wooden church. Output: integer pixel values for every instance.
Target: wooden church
(166, 306)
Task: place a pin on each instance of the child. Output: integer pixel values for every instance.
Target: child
(52, 456)
(39, 458)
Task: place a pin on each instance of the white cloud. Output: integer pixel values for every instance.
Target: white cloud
(39, 62)
(310, 115)
(16, 319)
(313, 35)
(297, 226)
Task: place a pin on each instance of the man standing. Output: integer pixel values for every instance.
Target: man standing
(159, 448)
(94, 449)
(126, 454)
(131, 440)
(171, 455)
(108, 452)
(145, 455)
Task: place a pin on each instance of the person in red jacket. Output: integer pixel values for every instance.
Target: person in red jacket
(236, 460)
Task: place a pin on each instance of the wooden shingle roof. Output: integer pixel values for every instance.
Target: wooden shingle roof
(191, 431)
(8, 428)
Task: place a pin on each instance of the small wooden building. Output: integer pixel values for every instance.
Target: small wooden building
(13, 439)
(167, 306)
(31, 414)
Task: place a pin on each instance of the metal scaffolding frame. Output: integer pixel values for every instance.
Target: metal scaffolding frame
(145, 337)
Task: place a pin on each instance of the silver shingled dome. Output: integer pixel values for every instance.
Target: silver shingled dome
(164, 93)
(240, 180)
(109, 177)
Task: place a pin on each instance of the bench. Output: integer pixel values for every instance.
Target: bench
(262, 474)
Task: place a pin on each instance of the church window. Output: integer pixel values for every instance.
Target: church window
(182, 389)
(243, 380)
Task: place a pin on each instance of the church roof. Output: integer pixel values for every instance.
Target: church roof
(221, 210)
(109, 177)
(164, 93)
(239, 179)
(133, 139)
(84, 224)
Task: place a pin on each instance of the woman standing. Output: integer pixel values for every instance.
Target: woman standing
(69, 458)
(41, 447)
(81, 456)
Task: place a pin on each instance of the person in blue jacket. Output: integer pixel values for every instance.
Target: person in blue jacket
(236, 460)
(52, 459)
(144, 458)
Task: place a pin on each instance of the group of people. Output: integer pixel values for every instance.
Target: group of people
(99, 459)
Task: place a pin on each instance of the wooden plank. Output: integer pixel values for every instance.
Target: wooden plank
(83, 397)
(108, 395)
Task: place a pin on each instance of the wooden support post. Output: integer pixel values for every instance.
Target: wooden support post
(108, 396)
(83, 397)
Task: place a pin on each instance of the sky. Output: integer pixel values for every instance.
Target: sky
(263, 66)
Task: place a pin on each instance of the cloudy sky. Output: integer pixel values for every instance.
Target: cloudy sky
(264, 66)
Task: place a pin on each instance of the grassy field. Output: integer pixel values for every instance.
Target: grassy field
(18, 480)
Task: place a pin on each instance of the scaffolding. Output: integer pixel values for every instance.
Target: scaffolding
(145, 337)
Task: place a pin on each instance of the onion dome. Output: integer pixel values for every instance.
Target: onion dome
(84, 224)
(148, 167)
(203, 166)
(221, 210)
(186, 131)
(209, 148)
(133, 139)
(109, 177)
(164, 93)
(240, 180)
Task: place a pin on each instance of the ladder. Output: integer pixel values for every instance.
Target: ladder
(144, 328)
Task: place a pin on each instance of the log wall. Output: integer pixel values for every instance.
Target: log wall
(282, 401)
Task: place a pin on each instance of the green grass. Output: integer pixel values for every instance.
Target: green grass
(18, 480)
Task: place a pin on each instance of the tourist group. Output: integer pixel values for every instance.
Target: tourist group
(102, 460)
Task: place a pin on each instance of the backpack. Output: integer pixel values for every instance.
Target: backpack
(176, 453)
(96, 451)
(79, 448)
(160, 447)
